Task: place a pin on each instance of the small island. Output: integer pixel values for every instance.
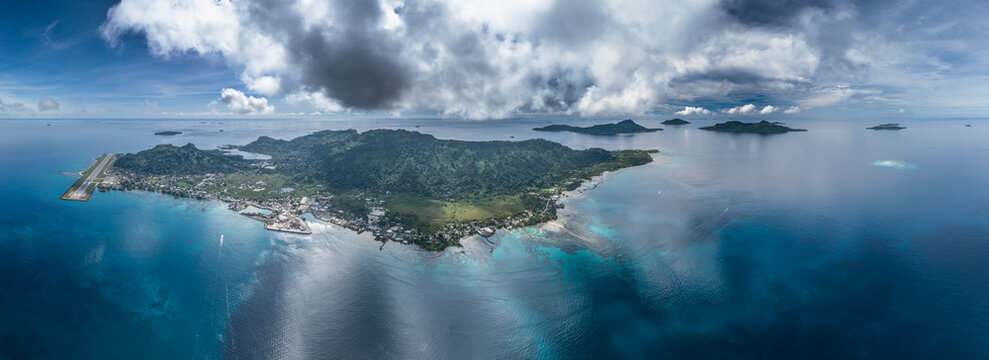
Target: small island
(400, 185)
(626, 126)
(168, 133)
(890, 126)
(762, 127)
(676, 121)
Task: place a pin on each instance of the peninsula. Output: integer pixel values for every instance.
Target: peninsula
(676, 121)
(168, 133)
(762, 127)
(401, 185)
(890, 126)
(626, 126)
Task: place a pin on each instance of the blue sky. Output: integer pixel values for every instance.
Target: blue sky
(491, 59)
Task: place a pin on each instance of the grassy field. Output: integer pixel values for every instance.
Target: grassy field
(436, 212)
(271, 183)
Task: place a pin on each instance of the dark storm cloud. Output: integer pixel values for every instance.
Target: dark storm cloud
(355, 67)
(354, 63)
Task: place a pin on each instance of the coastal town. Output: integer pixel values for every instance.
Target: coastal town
(287, 212)
(401, 186)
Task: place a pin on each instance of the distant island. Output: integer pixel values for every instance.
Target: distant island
(676, 121)
(890, 126)
(626, 126)
(168, 133)
(762, 127)
(401, 185)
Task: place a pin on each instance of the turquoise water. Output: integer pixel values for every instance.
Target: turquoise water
(740, 246)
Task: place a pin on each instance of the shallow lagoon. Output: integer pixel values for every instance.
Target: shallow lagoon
(752, 246)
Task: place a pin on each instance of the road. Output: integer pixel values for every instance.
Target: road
(81, 192)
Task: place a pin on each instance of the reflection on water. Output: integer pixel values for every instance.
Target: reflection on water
(789, 246)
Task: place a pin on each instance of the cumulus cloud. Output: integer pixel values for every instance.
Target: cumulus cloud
(691, 110)
(768, 109)
(47, 104)
(746, 109)
(792, 110)
(239, 103)
(499, 58)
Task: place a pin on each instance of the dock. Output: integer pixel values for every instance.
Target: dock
(83, 188)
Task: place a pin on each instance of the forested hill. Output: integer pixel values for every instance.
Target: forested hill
(418, 164)
(167, 159)
(626, 126)
(399, 162)
(301, 148)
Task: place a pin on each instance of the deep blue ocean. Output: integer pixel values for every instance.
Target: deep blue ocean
(727, 246)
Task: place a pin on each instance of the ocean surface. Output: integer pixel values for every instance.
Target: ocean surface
(798, 245)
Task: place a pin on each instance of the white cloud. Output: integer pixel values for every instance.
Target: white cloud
(237, 102)
(48, 104)
(478, 59)
(768, 109)
(691, 110)
(792, 110)
(746, 109)
(499, 58)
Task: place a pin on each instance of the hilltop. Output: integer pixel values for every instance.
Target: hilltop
(167, 159)
(626, 126)
(677, 121)
(762, 127)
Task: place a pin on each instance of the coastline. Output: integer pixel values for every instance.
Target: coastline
(557, 224)
(289, 213)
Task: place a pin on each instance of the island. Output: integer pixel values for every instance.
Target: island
(890, 126)
(626, 126)
(676, 121)
(762, 127)
(168, 133)
(400, 185)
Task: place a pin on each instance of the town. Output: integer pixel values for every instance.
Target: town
(287, 212)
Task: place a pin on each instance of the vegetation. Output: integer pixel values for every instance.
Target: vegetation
(428, 214)
(626, 126)
(762, 127)
(303, 148)
(402, 185)
(677, 121)
(890, 126)
(167, 159)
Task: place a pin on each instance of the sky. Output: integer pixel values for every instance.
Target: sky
(494, 59)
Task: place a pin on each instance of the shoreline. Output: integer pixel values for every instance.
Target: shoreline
(288, 214)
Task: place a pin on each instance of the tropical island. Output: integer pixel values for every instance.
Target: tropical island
(762, 127)
(626, 126)
(168, 133)
(890, 126)
(401, 185)
(676, 121)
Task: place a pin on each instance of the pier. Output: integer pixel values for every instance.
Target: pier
(83, 188)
